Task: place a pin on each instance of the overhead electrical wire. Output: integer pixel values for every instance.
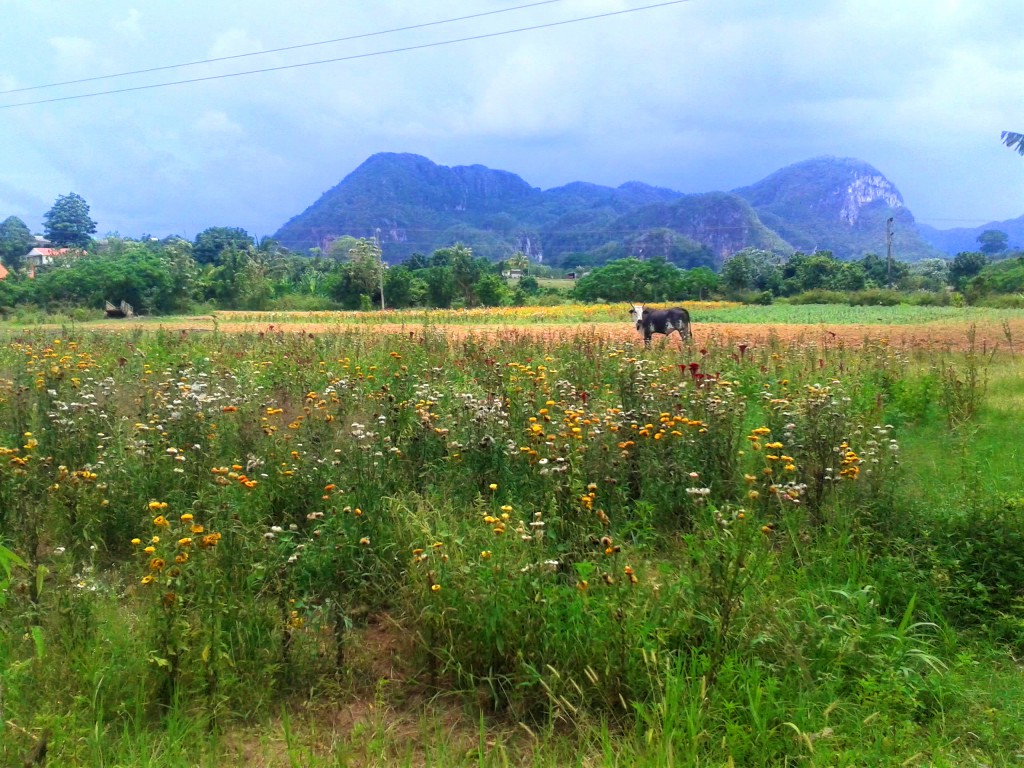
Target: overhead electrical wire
(278, 50)
(352, 57)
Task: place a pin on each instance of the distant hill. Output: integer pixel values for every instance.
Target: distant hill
(415, 205)
(836, 204)
(954, 241)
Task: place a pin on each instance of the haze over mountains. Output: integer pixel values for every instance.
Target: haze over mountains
(416, 206)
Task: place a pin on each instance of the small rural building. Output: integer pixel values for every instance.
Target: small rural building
(513, 274)
(44, 257)
(3, 272)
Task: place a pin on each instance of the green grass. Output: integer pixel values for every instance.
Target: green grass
(562, 285)
(838, 314)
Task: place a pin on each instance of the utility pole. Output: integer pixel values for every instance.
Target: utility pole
(380, 255)
(888, 251)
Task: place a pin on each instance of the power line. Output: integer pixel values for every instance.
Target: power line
(349, 58)
(278, 50)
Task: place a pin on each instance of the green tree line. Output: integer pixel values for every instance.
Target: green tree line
(227, 268)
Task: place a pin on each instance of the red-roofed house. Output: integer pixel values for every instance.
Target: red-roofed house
(44, 257)
(3, 272)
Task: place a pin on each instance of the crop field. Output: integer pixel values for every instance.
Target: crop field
(513, 537)
(909, 327)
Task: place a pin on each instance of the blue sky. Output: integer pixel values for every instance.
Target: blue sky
(698, 96)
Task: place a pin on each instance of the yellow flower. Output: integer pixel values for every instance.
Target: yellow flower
(147, 579)
(136, 542)
(156, 564)
(365, 540)
(182, 557)
(149, 550)
(155, 540)
(436, 588)
(186, 542)
(161, 522)
(187, 517)
(493, 486)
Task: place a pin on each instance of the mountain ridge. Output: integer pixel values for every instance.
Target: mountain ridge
(415, 205)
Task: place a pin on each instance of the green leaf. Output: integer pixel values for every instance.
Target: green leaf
(9, 560)
(41, 573)
(584, 570)
(39, 642)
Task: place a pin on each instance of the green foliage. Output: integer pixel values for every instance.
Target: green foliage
(490, 289)
(211, 242)
(1005, 277)
(964, 267)
(993, 241)
(929, 275)
(148, 280)
(15, 241)
(631, 280)
(67, 223)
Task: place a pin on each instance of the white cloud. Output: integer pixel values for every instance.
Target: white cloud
(233, 42)
(130, 25)
(74, 51)
(215, 123)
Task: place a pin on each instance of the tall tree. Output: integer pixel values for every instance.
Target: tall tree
(212, 241)
(992, 241)
(15, 241)
(964, 267)
(67, 223)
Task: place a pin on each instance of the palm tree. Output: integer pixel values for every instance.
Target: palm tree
(1014, 141)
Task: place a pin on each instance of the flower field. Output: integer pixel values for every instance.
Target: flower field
(717, 553)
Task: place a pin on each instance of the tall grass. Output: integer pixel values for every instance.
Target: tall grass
(559, 546)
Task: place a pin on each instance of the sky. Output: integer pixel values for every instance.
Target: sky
(696, 96)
